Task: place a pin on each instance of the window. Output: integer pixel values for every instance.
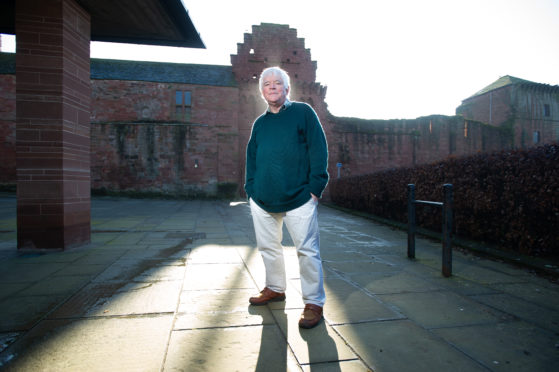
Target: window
(183, 105)
(546, 110)
(465, 129)
(536, 136)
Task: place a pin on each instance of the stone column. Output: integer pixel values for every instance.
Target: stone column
(53, 96)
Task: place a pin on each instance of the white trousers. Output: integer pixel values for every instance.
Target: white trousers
(302, 224)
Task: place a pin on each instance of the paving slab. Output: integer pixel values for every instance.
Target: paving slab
(498, 265)
(7, 289)
(458, 285)
(392, 282)
(539, 294)
(223, 319)
(138, 298)
(342, 255)
(255, 348)
(215, 300)
(341, 366)
(519, 308)
(81, 269)
(348, 304)
(21, 313)
(402, 346)
(102, 256)
(55, 257)
(105, 344)
(442, 309)
(360, 266)
(83, 301)
(102, 238)
(164, 286)
(166, 270)
(205, 251)
(12, 271)
(397, 259)
(57, 286)
(482, 275)
(318, 345)
(506, 346)
(217, 276)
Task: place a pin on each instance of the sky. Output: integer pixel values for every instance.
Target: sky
(390, 59)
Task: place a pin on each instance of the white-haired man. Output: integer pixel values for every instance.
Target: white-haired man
(286, 173)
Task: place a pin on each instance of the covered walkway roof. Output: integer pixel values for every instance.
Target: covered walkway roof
(154, 22)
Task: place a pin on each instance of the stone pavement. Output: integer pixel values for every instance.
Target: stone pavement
(164, 286)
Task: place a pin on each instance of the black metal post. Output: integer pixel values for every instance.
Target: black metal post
(411, 220)
(447, 230)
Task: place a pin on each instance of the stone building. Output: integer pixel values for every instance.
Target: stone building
(181, 129)
(528, 110)
(163, 127)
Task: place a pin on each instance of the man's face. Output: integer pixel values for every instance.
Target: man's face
(273, 90)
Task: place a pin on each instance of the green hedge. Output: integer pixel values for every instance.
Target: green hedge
(509, 199)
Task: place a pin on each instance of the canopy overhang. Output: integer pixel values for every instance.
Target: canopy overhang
(152, 22)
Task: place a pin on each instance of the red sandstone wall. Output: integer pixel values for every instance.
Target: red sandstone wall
(7, 129)
(53, 98)
(366, 146)
(496, 108)
(492, 108)
(530, 116)
(137, 145)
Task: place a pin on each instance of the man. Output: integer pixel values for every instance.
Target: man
(286, 173)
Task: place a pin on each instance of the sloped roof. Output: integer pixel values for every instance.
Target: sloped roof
(503, 82)
(214, 75)
(163, 72)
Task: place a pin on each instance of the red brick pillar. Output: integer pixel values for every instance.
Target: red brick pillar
(53, 96)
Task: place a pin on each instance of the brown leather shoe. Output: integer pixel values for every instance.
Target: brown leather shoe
(266, 296)
(311, 316)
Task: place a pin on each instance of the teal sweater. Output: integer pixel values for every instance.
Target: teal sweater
(286, 159)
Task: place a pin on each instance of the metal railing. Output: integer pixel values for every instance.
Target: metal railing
(447, 225)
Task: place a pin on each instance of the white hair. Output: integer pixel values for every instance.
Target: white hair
(276, 71)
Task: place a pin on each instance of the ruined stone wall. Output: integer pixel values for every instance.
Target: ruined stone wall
(366, 146)
(139, 145)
